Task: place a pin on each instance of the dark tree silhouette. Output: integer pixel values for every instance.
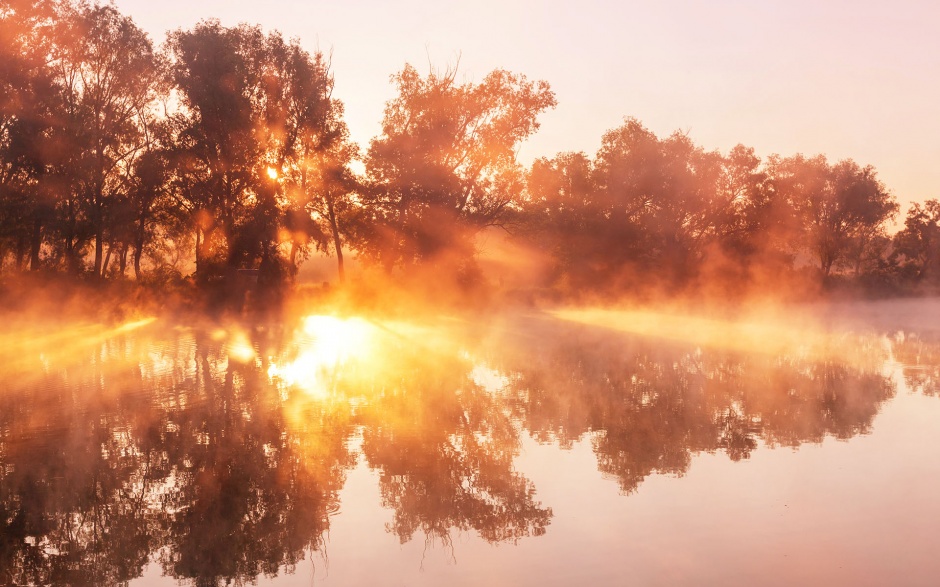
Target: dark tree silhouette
(229, 149)
(108, 71)
(30, 124)
(649, 212)
(250, 102)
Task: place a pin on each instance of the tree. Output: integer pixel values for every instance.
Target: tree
(750, 227)
(747, 218)
(564, 215)
(917, 245)
(249, 102)
(664, 190)
(869, 206)
(218, 148)
(842, 207)
(316, 162)
(30, 101)
(643, 203)
(151, 210)
(445, 165)
(325, 205)
(108, 71)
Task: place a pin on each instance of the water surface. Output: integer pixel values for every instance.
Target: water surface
(537, 449)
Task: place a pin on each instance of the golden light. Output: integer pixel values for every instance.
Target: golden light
(134, 325)
(272, 173)
(239, 347)
(25, 353)
(326, 343)
(760, 334)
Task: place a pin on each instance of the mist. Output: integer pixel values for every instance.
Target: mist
(222, 319)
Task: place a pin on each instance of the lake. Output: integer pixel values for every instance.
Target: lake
(600, 447)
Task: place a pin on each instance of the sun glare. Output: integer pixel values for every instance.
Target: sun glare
(134, 325)
(239, 348)
(272, 173)
(326, 342)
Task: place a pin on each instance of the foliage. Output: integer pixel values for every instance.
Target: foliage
(226, 152)
(445, 165)
(650, 212)
(917, 246)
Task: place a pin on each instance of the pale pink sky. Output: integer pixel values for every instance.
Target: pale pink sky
(857, 79)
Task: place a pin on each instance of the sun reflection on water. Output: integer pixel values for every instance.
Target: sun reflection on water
(239, 347)
(325, 343)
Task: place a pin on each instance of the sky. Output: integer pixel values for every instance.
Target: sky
(848, 79)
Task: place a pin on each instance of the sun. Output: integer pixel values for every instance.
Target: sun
(272, 173)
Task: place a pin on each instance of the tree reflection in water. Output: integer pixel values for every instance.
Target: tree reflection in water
(179, 446)
(920, 357)
(168, 450)
(650, 405)
(444, 448)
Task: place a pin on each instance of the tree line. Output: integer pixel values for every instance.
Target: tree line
(224, 150)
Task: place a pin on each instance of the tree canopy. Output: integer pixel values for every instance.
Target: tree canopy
(445, 164)
(224, 151)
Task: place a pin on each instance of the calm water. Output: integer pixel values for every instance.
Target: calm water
(600, 448)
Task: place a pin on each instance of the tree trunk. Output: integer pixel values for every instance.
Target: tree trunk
(71, 259)
(35, 244)
(139, 247)
(122, 260)
(293, 256)
(73, 263)
(200, 264)
(99, 238)
(99, 248)
(826, 269)
(138, 253)
(102, 269)
(337, 243)
(20, 253)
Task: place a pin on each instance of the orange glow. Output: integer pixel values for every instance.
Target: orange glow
(239, 347)
(24, 350)
(68, 338)
(272, 173)
(326, 343)
(765, 335)
(129, 326)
